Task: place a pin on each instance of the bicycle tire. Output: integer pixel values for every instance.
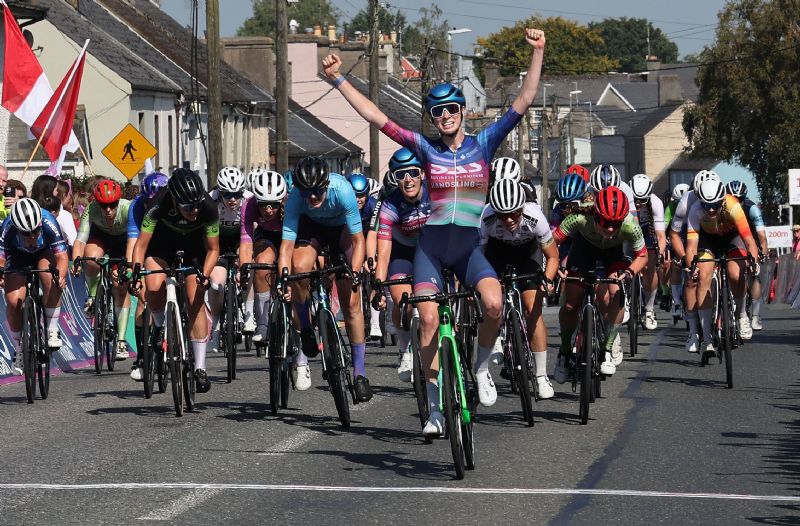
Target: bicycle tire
(635, 314)
(229, 334)
(452, 414)
(111, 331)
(43, 372)
(382, 324)
(419, 381)
(146, 356)
(99, 328)
(29, 347)
(586, 365)
(188, 384)
(467, 431)
(727, 338)
(275, 383)
(174, 358)
(521, 373)
(335, 371)
(275, 354)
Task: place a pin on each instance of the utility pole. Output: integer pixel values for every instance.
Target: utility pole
(214, 161)
(281, 87)
(374, 88)
(544, 155)
(521, 131)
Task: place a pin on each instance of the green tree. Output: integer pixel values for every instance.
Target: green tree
(387, 22)
(571, 48)
(626, 41)
(750, 94)
(308, 13)
(427, 39)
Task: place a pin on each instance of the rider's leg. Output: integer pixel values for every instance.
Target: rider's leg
(155, 289)
(52, 294)
(537, 331)
(14, 288)
(755, 294)
(568, 314)
(303, 259)
(197, 320)
(92, 269)
(491, 301)
(738, 281)
(403, 335)
(650, 282)
(704, 306)
(262, 286)
(216, 294)
(611, 303)
(122, 308)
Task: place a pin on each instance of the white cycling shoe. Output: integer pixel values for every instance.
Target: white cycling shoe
(487, 392)
(755, 323)
(249, 325)
(434, 427)
(497, 352)
(544, 388)
(607, 367)
(54, 338)
(405, 366)
(650, 322)
(260, 334)
(745, 329)
(301, 375)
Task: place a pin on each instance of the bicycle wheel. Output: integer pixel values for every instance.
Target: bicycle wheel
(585, 365)
(727, 336)
(174, 357)
(30, 346)
(521, 376)
(229, 334)
(99, 327)
(146, 355)
(635, 307)
(188, 384)
(43, 372)
(277, 351)
(452, 414)
(382, 324)
(334, 370)
(469, 403)
(111, 331)
(419, 380)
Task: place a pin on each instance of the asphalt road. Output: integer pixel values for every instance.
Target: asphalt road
(667, 444)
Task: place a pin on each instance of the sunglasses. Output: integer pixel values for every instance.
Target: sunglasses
(231, 195)
(316, 192)
(401, 174)
(190, 207)
(711, 207)
(108, 206)
(269, 206)
(568, 207)
(32, 234)
(502, 216)
(604, 223)
(452, 108)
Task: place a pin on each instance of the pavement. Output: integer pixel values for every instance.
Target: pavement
(667, 443)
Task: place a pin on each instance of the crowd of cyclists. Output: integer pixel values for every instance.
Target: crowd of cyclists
(445, 203)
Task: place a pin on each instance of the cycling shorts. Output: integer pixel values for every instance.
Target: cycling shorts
(731, 244)
(337, 238)
(114, 246)
(449, 246)
(401, 261)
(229, 244)
(166, 242)
(19, 259)
(523, 264)
(585, 257)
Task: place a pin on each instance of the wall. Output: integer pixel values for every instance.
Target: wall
(663, 144)
(161, 108)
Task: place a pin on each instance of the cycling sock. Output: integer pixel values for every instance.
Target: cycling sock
(403, 340)
(692, 318)
(613, 331)
(302, 313)
(301, 359)
(216, 293)
(137, 331)
(741, 303)
(482, 361)
(357, 353)
(248, 308)
(52, 316)
(433, 396)
(676, 293)
(122, 321)
(158, 318)
(375, 318)
(263, 306)
(540, 359)
(199, 350)
(650, 300)
(91, 283)
(705, 323)
(757, 307)
(15, 339)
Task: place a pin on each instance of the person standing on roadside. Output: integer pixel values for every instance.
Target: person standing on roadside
(796, 241)
(7, 202)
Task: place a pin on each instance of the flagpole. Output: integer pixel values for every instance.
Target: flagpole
(86, 160)
(58, 104)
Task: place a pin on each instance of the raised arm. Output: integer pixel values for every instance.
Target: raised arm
(535, 38)
(359, 102)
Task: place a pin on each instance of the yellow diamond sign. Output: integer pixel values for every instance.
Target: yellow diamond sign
(128, 151)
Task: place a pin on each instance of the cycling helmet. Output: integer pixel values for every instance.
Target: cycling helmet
(570, 187)
(737, 189)
(610, 204)
(185, 187)
(604, 175)
(152, 184)
(360, 184)
(506, 196)
(703, 175)
(389, 183)
(443, 94)
(404, 158)
(230, 179)
(711, 191)
(580, 170)
(26, 215)
(310, 172)
(679, 190)
(506, 168)
(642, 186)
(374, 186)
(268, 187)
(107, 191)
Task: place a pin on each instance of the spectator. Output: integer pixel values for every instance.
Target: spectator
(64, 214)
(130, 191)
(19, 191)
(64, 192)
(4, 209)
(796, 241)
(44, 186)
(81, 201)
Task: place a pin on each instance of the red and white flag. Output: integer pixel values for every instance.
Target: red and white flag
(26, 89)
(54, 124)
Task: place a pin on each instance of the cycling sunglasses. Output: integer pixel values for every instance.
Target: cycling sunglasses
(452, 108)
(316, 191)
(604, 223)
(32, 234)
(108, 206)
(502, 216)
(231, 195)
(413, 172)
(269, 205)
(711, 207)
(190, 207)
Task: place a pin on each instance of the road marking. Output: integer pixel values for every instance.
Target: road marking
(181, 505)
(289, 444)
(385, 489)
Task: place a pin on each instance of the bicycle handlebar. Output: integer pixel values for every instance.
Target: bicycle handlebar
(52, 270)
(723, 259)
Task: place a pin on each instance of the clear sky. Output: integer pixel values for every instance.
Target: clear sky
(689, 23)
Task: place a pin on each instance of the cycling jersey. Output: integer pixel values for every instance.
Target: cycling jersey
(457, 180)
(253, 219)
(93, 217)
(730, 221)
(754, 217)
(367, 212)
(669, 212)
(165, 213)
(136, 213)
(532, 232)
(585, 226)
(339, 208)
(229, 218)
(652, 214)
(13, 247)
(679, 217)
(401, 220)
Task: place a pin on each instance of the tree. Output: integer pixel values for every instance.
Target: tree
(387, 22)
(571, 48)
(427, 39)
(750, 94)
(308, 13)
(626, 41)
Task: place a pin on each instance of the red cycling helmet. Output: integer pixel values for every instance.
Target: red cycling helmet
(611, 205)
(580, 170)
(107, 192)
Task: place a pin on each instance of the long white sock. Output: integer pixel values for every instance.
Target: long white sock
(263, 306)
(692, 318)
(199, 349)
(705, 323)
(52, 316)
(375, 317)
(757, 307)
(650, 300)
(676, 293)
(403, 340)
(433, 396)
(249, 300)
(482, 360)
(540, 360)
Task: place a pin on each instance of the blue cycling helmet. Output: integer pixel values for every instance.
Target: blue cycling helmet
(404, 158)
(152, 183)
(737, 189)
(442, 94)
(360, 184)
(287, 176)
(570, 187)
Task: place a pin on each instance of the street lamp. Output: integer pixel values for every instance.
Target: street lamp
(450, 33)
(576, 93)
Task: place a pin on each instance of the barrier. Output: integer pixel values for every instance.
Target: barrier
(76, 333)
(787, 283)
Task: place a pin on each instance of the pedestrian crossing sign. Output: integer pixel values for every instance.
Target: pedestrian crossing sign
(128, 151)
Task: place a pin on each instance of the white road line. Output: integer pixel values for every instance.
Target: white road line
(181, 505)
(289, 444)
(379, 489)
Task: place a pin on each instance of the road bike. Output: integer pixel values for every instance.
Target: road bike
(231, 325)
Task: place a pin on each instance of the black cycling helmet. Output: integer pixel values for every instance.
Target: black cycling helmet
(186, 187)
(310, 172)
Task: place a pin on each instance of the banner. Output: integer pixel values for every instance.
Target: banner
(779, 236)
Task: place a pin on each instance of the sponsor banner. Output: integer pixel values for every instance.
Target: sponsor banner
(779, 236)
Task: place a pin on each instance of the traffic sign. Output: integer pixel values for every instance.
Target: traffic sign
(779, 236)
(794, 186)
(128, 151)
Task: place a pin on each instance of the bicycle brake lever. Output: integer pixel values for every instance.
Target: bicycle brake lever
(476, 296)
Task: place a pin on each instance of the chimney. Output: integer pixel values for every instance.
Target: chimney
(491, 73)
(653, 66)
(332, 33)
(317, 31)
(669, 90)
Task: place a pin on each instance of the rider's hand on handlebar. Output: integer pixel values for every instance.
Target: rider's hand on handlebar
(75, 270)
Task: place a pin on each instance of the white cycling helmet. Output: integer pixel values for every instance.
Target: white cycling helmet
(26, 215)
(248, 180)
(603, 176)
(230, 179)
(506, 168)
(711, 191)
(374, 186)
(642, 186)
(703, 175)
(268, 187)
(507, 196)
(679, 190)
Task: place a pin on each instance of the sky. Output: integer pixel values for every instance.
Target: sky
(688, 23)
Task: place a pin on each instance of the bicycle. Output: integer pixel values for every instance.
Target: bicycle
(176, 351)
(366, 292)
(335, 361)
(33, 342)
(590, 335)
(230, 329)
(153, 363)
(105, 316)
(458, 397)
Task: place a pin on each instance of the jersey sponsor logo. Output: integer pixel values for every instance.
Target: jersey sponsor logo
(469, 170)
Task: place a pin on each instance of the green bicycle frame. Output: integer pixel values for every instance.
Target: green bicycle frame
(446, 332)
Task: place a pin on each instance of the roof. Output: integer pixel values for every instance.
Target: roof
(310, 136)
(397, 101)
(640, 95)
(652, 119)
(624, 121)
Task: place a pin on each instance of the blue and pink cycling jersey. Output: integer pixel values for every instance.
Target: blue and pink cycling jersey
(400, 220)
(13, 247)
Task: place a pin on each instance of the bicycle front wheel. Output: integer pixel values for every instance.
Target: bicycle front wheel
(146, 356)
(726, 342)
(174, 357)
(522, 377)
(230, 329)
(418, 378)
(585, 365)
(635, 307)
(99, 328)
(334, 368)
(43, 372)
(452, 412)
(30, 346)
